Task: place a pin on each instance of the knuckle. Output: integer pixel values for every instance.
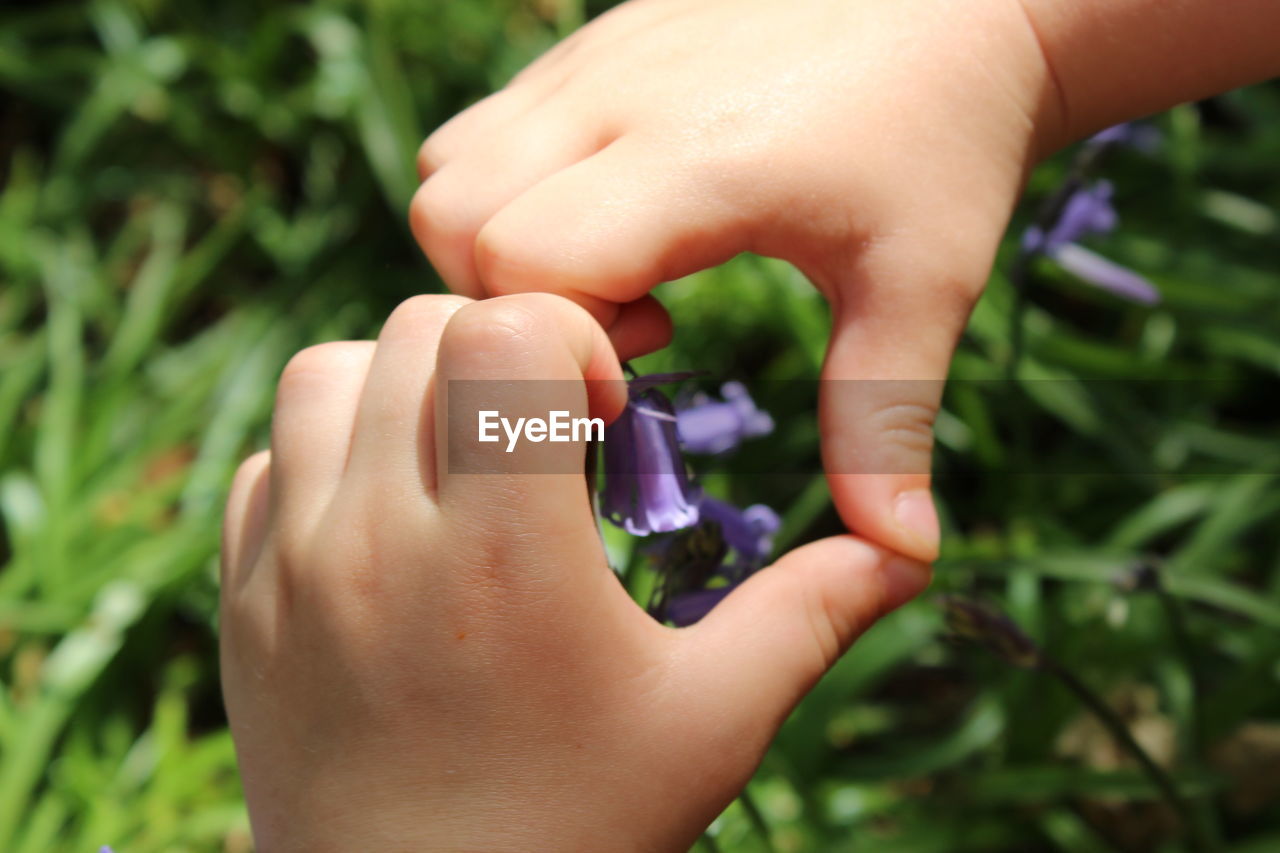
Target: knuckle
(414, 314)
(438, 211)
(316, 365)
(492, 324)
(908, 419)
(505, 262)
(958, 262)
(247, 473)
(966, 290)
(431, 155)
(246, 485)
(452, 138)
(904, 430)
(827, 625)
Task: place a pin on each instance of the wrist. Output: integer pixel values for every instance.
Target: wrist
(392, 818)
(1115, 60)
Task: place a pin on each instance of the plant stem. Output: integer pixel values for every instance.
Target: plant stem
(1186, 651)
(1050, 211)
(1020, 277)
(757, 819)
(1203, 838)
(1205, 807)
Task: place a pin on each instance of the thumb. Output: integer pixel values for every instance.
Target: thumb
(893, 336)
(763, 647)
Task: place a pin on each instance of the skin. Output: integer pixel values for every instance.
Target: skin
(802, 151)
(418, 658)
(879, 145)
(421, 660)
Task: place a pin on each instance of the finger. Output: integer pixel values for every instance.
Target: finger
(522, 356)
(765, 645)
(641, 327)
(894, 333)
(609, 228)
(244, 522)
(527, 92)
(460, 134)
(393, 441)
(311, 427)
(540, 80)
(449, 210)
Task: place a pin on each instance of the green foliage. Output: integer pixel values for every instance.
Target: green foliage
(192, 192)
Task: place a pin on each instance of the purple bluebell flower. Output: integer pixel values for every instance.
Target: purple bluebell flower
(749, 532)
(105, 849)
(1107, 275)
(715, 426)
(647, 489)
(1088, 211)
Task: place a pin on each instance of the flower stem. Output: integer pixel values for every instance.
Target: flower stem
(757, 819)
(1203, 838)
(1206, 811)
(1084, 163)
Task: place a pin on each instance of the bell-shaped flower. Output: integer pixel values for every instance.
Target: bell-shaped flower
(749, 534)
(647, 489)
(707, 425)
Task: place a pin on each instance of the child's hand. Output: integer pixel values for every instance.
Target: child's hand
(864, 141)
(420, 659)
(877, 144)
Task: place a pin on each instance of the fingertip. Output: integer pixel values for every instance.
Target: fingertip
(601, 368)
(641, 327)
(917, 517)
(894, 511)
(904, 579)
(882, 386)
(770, 640)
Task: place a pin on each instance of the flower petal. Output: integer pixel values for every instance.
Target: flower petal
(749, 532)
(1105, 274)
(712, 426)
(647, 488)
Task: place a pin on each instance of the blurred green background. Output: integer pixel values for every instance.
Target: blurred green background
(192, 192)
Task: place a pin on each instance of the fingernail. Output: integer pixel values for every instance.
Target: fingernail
(914, 511)
(904, 579)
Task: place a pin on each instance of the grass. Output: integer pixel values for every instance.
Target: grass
(191, 194)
